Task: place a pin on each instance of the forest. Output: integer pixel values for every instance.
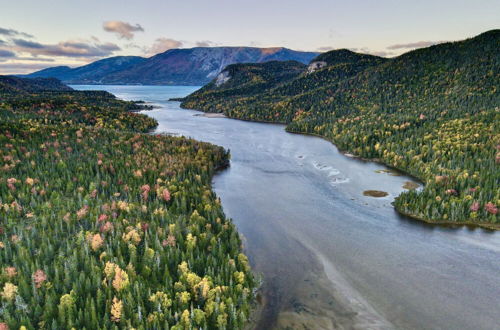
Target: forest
(433, 113)
(103, 226)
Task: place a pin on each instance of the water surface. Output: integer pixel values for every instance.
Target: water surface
(330, 256)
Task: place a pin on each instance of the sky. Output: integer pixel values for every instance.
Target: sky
(36, 34)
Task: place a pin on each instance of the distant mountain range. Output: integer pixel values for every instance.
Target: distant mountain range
(192, 66)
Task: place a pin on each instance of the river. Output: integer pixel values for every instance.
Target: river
(329, 256)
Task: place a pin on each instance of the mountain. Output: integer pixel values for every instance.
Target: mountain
(192, 66)
(12, 84)
(197, 66)
(246, 79)
(323, 70)
(433, 113)
(92, 73)
(57, 72)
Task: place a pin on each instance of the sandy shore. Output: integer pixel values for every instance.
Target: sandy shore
(318, 298)
(365, 317)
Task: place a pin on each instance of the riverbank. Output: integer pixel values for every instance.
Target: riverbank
(280, 193)
(348, 153)
(470, 224)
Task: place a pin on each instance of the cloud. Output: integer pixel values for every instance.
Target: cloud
(14, 33)
(325, 49)
(163, 44)
(381, 53)
(133, 46)
(20, 68)
(27, 44)
(204, 43)
(35, 59)
(69, 48)
(365, 50)
(124, 30)
(6, 53)
(419, 44)
(21, 54)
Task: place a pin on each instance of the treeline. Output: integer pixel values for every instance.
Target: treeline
(13, 84)
(102, 227)
(432, 112)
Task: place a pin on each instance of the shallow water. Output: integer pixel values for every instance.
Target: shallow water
(330, 256)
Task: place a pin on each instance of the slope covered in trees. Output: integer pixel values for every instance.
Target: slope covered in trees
(12, 84)
(326, 69)
(243, 80)
(432, 112)
(102, 227)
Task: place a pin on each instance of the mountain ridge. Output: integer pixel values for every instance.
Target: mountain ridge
(181, 66)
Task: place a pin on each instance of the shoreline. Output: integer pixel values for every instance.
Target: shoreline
(413, 217)
(346, 153)
(366, 316)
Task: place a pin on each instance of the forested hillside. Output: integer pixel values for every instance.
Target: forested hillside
(432, 112)
(11, 84)
(102, 227)
(243, 80)
(326, 69)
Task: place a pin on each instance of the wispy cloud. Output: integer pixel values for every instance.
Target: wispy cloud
(27, 44)
(6, 53)
(17, 68)
(381, 53)
(14, 33)
(325, 49)
(71, 48)
(163, 44)
(418, 44)
(124, 30)
(20, 52)
(205, 43)
(35, 59)
(365, 50)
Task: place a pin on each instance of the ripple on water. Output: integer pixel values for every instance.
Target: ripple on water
(333, 172)
(334, 175)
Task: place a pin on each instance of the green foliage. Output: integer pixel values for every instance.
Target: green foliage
(242, 80)
(102, 227)
(432, 112)
(95, 108)
(12, 84)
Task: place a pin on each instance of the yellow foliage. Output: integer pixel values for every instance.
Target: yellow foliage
(116, 310)
(9, 291)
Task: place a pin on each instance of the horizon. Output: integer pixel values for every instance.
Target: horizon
(52, 35)
(271, 47)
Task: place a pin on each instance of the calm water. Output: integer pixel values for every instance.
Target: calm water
(329, 256)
